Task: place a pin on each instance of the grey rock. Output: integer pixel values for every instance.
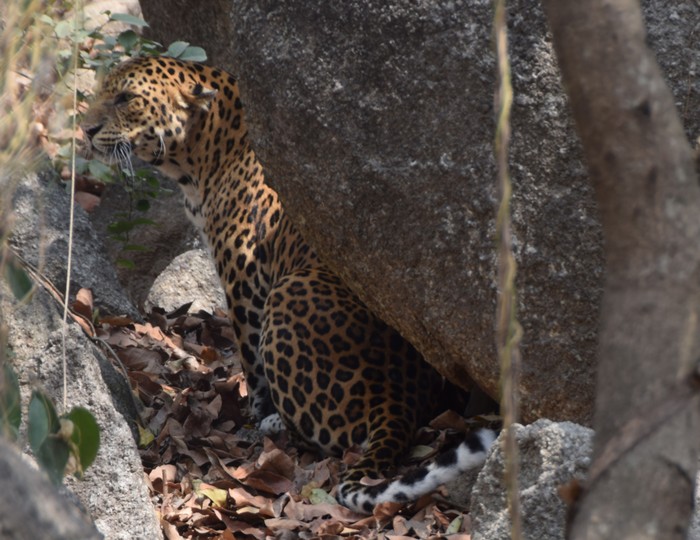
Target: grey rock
(49, 515)
(113, 491)
(694, 530)
(374, 121)
(379, 142)
(190, 277)
(40, 221)
(551, 455)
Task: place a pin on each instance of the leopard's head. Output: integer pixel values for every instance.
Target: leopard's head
(144, 107)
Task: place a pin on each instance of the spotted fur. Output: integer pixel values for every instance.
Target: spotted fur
(316, 359)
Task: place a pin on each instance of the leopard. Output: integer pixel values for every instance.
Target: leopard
(317, 361)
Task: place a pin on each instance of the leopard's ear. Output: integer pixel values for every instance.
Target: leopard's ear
(196, 95)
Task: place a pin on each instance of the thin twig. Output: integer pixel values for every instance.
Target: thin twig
(71, 219)
(508, 330)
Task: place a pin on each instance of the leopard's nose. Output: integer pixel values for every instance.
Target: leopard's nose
(91, 131)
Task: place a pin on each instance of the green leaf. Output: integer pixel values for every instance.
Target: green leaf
(80, 35)
(109, 43)
(176, 48)
(17, 278)
(10, 409)
(152, 182)
(63, 29)
(65, 151)
(319, 496)
(120, 227)
(42, 420)
(85, 437)
(125, 226)
(128, 39)
(143, 205)
(142, 221)
(217, 495)
(151, 47)
(126, 263)
(101, 171)
(135, 247)
(46, 19)
(52, 455)
(455, 526)
(128, 19)
(194, 54)
(146, 437)
(81, 165)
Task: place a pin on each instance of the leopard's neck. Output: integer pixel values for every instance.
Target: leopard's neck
(226, 197)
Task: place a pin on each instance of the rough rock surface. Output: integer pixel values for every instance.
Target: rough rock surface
(40, 234)
(694, 531)
(551, 454)
(190, 277)
(379, 142)
(396, 160)
(51, 515)
(113, 491)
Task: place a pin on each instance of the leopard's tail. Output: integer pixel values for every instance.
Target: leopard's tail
(470, 453)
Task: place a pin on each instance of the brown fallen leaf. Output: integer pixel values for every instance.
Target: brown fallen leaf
(384, 512)
(284, 524)
(137, 359)
(268, 482)
(87, 201)
(84, 303)
(122, 337)
(399, 525)
(242, 498)
(115, 320)
(162, 475)
(328, 528)
(196, 410)
(170, 530)
(198, 422)
(304, 512)
(449, 420)
(277, 461)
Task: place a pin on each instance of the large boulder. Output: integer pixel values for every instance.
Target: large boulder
(551, 456)
(374, 121)
(190, 277)
(38, 508)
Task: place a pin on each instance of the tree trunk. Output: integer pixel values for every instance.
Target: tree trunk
(647, 417)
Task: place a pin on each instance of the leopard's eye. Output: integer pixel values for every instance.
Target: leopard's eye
(123, 97)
